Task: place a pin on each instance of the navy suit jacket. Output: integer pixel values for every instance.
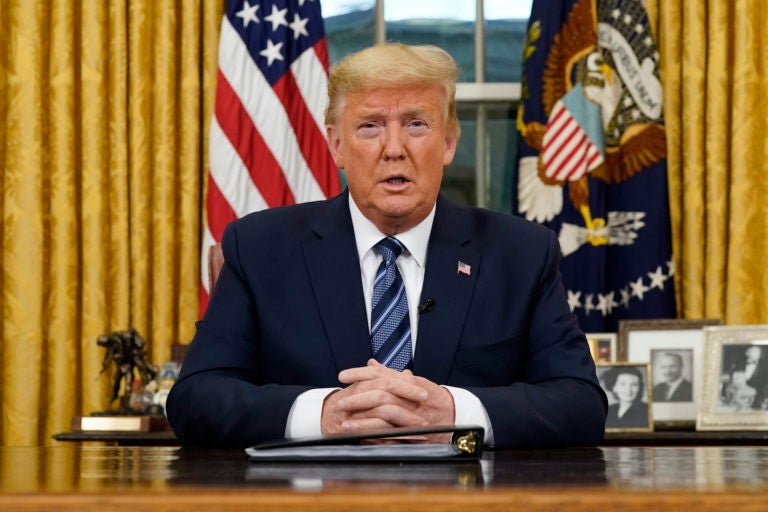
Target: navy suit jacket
(288, 313)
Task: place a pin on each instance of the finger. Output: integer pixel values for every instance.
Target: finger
(374, 363)
(352, 425)
(394, 385)
(372, 369)
(391, 413)
(351, 375)
(367, 400)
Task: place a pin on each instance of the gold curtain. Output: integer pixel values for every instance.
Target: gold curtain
(714, 60)
(104, 109)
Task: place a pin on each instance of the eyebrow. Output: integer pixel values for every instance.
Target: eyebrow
(368, 113)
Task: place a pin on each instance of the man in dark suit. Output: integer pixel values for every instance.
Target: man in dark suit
(673, 386)
(486, 336)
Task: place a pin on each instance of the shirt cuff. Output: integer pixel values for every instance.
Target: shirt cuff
(469, 410)
(306, 411)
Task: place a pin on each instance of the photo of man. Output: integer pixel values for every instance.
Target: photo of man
(672, 375)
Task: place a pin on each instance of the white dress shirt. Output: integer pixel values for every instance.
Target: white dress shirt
(304, 417)
(672, 387)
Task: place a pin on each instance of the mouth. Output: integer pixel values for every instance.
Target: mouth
(396, 180)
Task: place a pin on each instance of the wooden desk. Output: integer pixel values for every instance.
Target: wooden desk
(157, 479)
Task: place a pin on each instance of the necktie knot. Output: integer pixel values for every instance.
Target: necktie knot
(389, 248)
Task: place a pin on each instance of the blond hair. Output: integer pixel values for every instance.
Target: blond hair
(393, 65)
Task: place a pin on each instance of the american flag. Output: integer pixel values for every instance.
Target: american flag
(267, 146)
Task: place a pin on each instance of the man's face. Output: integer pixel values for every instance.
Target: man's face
(753, 355)
(393, 144)
(670, 368)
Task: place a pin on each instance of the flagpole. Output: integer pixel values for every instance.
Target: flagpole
(482, 113)
(380, 29)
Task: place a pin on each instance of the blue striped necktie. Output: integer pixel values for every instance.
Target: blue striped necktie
(390, 321)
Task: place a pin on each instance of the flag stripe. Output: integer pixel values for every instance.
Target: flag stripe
(553, 135)
(556, 125)
(561, 145)
(235, 181)
(565, 149)
(572, 162)
(304, 125)
(310, 77)
(321, 53)
(219, 212)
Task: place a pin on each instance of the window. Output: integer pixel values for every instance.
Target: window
(485, 37)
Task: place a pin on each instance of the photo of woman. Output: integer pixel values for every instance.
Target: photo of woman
(626, 387)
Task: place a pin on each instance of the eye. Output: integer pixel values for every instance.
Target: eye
(368, 129)
(416, 126)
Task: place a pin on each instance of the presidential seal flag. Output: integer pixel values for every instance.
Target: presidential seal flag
(593, 156)
(267, 144)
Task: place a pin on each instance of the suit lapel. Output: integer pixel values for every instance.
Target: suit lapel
(451, 290)
(334, 271)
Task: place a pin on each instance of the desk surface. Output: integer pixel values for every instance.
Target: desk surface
(76, 477)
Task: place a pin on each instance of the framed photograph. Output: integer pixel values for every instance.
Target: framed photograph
(602, 346)
(629, 396)
(735, 393)
(675, 350)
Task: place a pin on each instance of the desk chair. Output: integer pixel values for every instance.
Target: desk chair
(215, 262)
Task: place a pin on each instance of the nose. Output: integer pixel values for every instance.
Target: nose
(393, 142)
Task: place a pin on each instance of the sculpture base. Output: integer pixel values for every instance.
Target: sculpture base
(105, 422)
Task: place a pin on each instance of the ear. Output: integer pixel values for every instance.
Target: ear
(334, 144)
(450, 149)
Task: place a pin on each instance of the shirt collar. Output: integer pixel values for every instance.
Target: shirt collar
(367, 234)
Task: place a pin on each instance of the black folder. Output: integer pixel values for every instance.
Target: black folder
(396, 444)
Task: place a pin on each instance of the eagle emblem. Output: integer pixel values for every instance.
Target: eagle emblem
(602, 99)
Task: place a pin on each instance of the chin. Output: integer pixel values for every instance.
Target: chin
(398, 207)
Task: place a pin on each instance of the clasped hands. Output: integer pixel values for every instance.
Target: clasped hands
(378, 397)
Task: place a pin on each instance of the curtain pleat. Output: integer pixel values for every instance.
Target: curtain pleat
(60, 277)
(26, 214)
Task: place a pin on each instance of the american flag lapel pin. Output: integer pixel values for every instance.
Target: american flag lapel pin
(464, 268)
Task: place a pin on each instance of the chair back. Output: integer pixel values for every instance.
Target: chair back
(215, 262)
